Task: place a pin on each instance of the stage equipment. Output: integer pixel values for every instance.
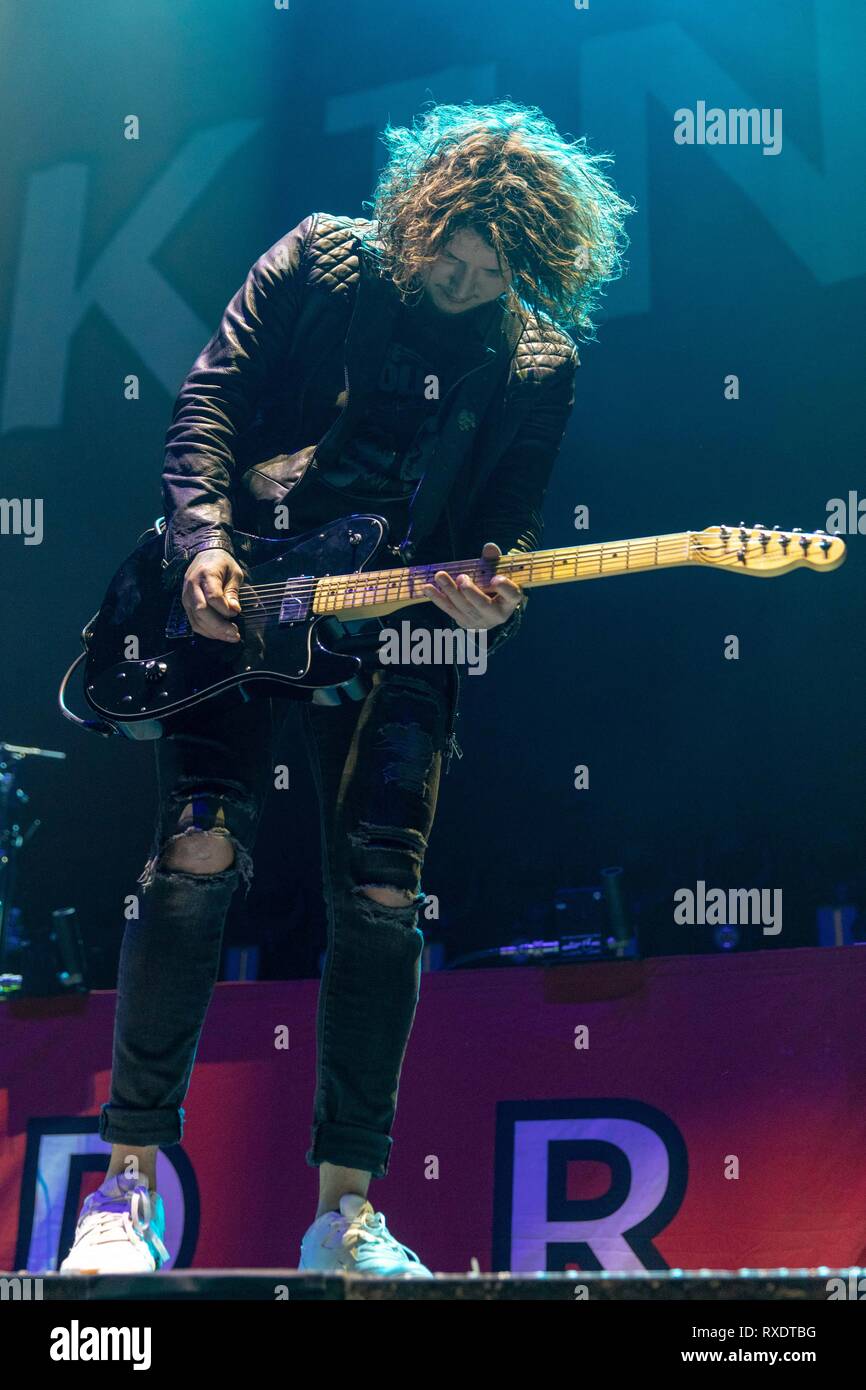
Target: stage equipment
(12, 839)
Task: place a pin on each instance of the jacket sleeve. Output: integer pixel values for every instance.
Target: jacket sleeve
(510, 509)
(219, 397)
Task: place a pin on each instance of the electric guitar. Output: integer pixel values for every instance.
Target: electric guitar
(144, 665)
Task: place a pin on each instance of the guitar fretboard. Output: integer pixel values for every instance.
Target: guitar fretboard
(392, 588)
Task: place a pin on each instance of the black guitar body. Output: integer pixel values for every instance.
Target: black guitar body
(144, 666)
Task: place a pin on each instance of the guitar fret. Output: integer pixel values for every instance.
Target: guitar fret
(397, 587)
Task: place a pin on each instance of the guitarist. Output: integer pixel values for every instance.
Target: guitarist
(411, 365)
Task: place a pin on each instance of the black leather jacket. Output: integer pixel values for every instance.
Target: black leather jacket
(310, 322)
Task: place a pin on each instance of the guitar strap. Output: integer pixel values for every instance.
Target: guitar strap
(449, 440)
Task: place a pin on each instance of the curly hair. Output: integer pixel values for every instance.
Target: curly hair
(504, 172)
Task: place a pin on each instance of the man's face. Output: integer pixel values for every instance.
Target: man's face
(465, 274)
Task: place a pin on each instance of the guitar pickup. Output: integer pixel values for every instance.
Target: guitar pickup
(294, 608)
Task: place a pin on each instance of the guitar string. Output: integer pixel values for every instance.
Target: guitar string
(348, 603)
(541, 561)
(272, 597)
(559, 555)
(343, 598)
(344, 589)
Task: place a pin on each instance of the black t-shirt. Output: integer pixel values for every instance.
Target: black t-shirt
(427, 353)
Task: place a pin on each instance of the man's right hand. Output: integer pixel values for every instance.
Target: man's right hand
(210, 594)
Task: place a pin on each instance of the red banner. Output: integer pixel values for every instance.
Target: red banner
(689, 1112)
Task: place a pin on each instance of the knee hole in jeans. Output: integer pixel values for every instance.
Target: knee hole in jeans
(195, 851)
(387, 896)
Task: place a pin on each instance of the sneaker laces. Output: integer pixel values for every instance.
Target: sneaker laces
(369, 1226)
(102, 1227)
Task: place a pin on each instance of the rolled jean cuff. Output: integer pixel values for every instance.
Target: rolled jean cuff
(141, 1128)
(350, 1147)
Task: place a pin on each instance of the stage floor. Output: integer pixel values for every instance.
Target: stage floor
(274, 1285)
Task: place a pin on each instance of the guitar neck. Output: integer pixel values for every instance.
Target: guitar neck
(377, 592)
(569, 563)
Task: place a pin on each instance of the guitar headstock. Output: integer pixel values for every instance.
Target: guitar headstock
(763, 551)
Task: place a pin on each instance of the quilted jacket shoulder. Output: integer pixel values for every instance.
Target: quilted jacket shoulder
(332, 250)
(543, 347)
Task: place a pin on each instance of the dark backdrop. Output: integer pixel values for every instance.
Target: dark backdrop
(118, 257)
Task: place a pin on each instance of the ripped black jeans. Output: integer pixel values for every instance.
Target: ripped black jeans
(376, 764)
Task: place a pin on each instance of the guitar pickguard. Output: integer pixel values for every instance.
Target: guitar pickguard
(144, 662)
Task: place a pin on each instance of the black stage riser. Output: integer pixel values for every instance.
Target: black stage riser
(289, 1285)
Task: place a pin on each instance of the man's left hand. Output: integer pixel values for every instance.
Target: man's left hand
(471, 606)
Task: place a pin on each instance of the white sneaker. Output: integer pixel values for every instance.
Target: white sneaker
(356, 1240)
(119, 1231)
